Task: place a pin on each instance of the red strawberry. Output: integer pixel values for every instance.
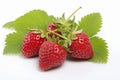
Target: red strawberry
(31, 44)
(52, 27)
(51, 55)
(81, 47)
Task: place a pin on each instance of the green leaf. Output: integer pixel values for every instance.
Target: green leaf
(100, 50)
(36, 19)
(91, 24)
(13, 43)
(9, 25)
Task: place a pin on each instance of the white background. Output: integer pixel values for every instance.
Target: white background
(20, 68)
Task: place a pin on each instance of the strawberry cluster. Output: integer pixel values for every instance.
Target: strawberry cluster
(60, 39)
(55, 39)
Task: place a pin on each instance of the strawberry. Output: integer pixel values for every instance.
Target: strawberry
(31, 44)
(51, 55)
(51, 26)
(81, 47)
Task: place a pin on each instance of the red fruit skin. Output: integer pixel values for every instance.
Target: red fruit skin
(81, 48)
(51, 55)
(51, 27)
(31, 44)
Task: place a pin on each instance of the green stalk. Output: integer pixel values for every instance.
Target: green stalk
(60, 36)
(57, 34)
(73, 13)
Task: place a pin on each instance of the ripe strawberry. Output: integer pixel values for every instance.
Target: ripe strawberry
(51, 55)
(81, 47)
(52, 27)
(31, 44)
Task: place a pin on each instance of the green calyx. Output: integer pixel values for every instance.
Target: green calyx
(67, 27)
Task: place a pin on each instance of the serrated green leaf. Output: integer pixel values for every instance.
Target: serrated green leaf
(91, 24)
(13, 43)
(100, 50)
(9, 25)
(36, 19)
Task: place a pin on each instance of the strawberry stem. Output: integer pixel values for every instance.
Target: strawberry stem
(73, 13)
(60, 36)
(57, 34)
